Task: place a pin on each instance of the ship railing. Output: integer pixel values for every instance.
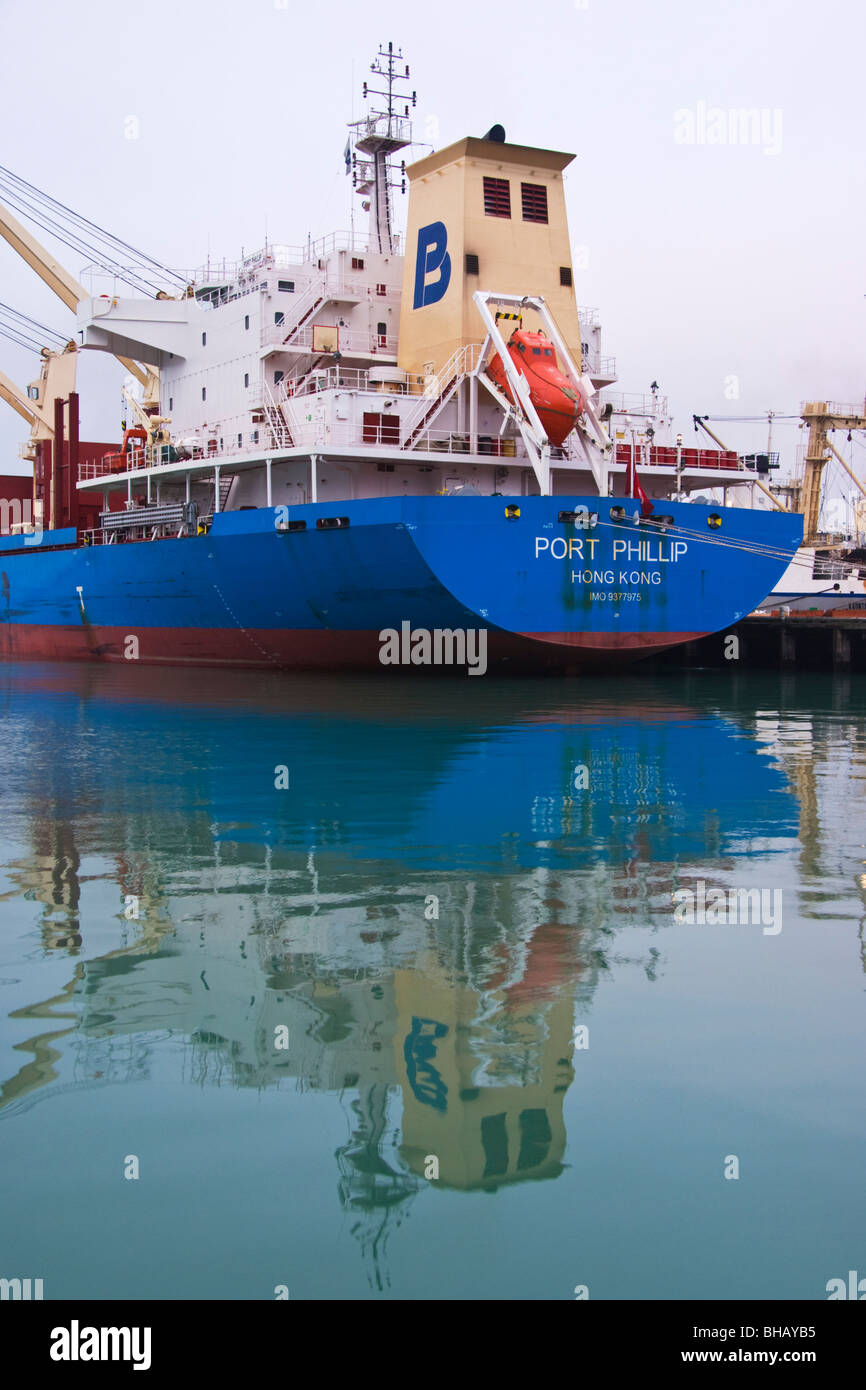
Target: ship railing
(357, 242)
(279, 256)
(459, 442)
(119, 463)
(231, 442)
(287, 321)
(835, 408)
(425, 389)
(596, 365)
(633, 403)
(330, 337)
(382, 126)
(438, 386)
(380, 434)
(340, 378)
(488, 446)
(290, 322)
(665, 456)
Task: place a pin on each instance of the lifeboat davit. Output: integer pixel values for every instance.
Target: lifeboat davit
(558, 403)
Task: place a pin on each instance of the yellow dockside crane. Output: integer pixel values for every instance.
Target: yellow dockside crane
(822, 417)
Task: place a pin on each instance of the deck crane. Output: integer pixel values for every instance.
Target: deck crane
(107, 252)
(56, 380)
(700, 422)
(38, 403)
(38, 420)
(822, 417)
(69, 290)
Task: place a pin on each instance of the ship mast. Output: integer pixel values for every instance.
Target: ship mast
(376, 138)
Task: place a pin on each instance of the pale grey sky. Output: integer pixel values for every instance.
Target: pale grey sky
(707, 260)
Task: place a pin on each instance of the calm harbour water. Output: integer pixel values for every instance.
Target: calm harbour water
(290, 1003)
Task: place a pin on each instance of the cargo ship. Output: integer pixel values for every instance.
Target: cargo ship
(381, 441)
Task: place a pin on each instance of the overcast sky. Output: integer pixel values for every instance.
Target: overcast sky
(708, 261)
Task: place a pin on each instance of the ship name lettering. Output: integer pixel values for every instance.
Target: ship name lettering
(643, 551)
(560, 547)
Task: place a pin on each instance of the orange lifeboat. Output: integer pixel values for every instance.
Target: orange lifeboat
(558, 403)
(119, 463)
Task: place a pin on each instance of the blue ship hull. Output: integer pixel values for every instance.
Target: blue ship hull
(261, 591)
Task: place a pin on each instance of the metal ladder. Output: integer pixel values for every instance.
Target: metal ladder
(276, 421)
(439, 392)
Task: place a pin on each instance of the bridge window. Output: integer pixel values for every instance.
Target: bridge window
(278, 376)
(497, 198)
(286, 286)
(357, 263)
(534, 198)
(279, 317)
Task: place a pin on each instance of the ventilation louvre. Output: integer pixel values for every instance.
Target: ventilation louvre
(497, 198)
(534, 199)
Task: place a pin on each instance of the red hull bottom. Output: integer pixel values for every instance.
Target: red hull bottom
(308, 650)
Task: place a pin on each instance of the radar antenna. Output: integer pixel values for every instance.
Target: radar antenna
(376, 139)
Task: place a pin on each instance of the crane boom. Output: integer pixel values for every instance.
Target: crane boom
(46, 267)
(851, 474)
(699, 420)
(64, 285)
(10, 393)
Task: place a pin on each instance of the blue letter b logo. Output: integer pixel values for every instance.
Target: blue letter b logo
(432, 256)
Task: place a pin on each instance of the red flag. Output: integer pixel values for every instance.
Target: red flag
(633, 487)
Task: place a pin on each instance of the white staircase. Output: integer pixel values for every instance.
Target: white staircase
(280, 433)
(305, 306)
(438, 393)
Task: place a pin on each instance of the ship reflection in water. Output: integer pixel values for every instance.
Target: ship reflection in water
(396, 900)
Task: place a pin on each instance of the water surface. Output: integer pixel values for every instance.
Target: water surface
(294, 943)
